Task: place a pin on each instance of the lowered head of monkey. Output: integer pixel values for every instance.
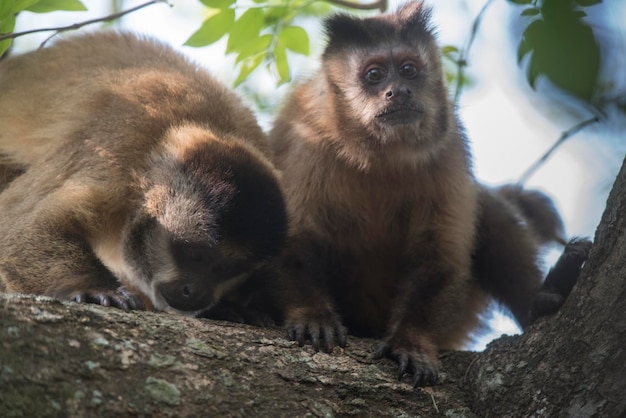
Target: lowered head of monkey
(142, 180)
(211, 214)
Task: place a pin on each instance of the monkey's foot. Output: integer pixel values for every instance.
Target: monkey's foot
(415, 360)
(318, 325)
(121, 298)
(561, 279)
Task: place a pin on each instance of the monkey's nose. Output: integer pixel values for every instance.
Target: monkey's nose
(396, 93)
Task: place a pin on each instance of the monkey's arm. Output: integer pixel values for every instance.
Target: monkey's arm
(44, 250)
(435, 307)
(309, 310)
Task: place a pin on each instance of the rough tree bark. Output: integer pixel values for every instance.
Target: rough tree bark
(65, 359)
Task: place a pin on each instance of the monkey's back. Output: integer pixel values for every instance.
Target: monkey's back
(69, 113)
(118, 100)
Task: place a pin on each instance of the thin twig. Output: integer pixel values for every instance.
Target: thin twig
(463, 55)
(81, 24)
(564, 137)
(380, 5)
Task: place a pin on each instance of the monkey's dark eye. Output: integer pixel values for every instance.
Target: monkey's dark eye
(375, 74)
(408, 70)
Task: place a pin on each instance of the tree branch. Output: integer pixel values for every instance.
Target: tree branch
(464, 53)
(379, 4)
(81, 24)
(564, 137)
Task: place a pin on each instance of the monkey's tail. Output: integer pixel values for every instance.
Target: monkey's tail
(538, 211)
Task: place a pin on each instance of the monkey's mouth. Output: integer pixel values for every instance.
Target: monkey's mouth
(399, 114)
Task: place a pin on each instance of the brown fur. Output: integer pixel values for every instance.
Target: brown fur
(384, 210)
(136, 161)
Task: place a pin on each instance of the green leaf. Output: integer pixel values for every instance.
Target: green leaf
(274, 15)
(253, 47)
(7, 25)
(212, 29)
(564, 49)
(521, 1)
(23, 5)
(523, 49)
(247, 27)
(281, 64)
(217, 4)
(295, 39)
(449, 49)
(531, 12)
(6, 8)
(46, 6)
(248, 66)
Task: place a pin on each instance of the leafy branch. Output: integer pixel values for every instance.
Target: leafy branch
(462, 60)
(380, 5)
(79, 25)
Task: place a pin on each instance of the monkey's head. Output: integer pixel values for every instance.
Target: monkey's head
(213, 211)
(385, 75)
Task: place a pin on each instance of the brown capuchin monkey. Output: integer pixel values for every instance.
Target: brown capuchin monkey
(130, 177)
(390, 234)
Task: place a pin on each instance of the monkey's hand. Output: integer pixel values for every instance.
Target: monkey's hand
(121, 297)
(411, 357)
(233, 312)
(561, 279)
(320, 324)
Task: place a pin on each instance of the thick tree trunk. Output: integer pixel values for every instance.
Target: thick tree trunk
(573, 364)
(65, 359)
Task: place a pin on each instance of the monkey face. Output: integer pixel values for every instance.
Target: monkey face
(203, 274)
(392, 82)
(213, 211)
(386, 75)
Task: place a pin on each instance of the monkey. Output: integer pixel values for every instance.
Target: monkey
(135, 178)
(389, 231)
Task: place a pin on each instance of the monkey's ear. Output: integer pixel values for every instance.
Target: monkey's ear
(414, 18)
(343, 31)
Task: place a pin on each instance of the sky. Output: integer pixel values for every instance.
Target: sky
(505, 120)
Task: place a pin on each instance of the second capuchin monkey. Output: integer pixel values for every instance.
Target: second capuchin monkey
(131, 177)
(390, 233)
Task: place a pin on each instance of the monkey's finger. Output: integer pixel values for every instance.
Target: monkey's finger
(120, 302)
(80, 298)
(328, 332)
(297, 334)
(423, 374)
(133, 301)
(403, 364)
(381, 351)
(342, 336)
(136, 303)
(314, 334)
(103, 300)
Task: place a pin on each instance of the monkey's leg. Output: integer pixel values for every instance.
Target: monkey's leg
(308, 308)
(561, 279)
(45, 258)
(431, 305)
